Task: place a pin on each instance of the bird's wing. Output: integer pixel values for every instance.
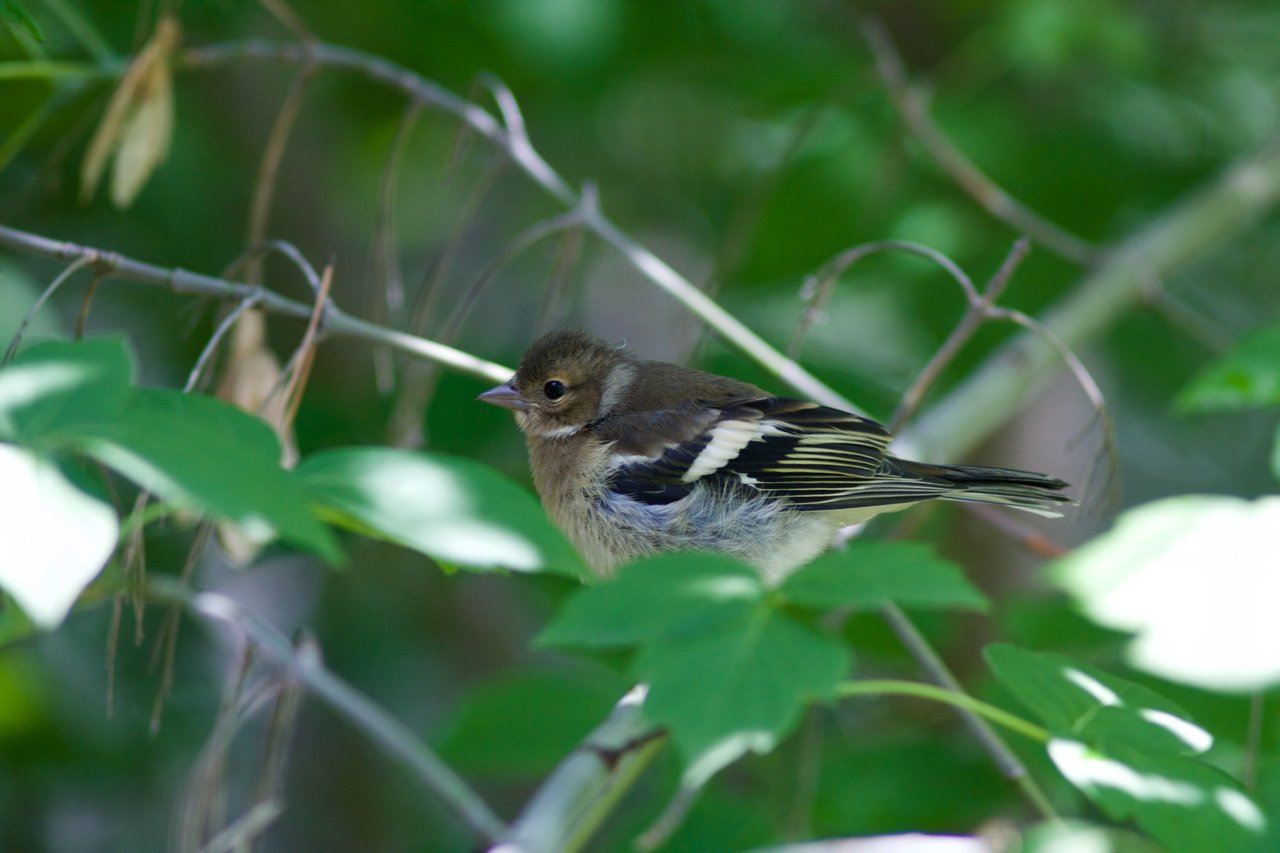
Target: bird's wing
(814, 457)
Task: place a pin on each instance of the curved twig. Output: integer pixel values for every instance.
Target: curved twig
(63, 277)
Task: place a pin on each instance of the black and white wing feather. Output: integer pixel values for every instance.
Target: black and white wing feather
(812, 457)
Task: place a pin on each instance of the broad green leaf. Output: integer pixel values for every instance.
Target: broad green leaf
(204, 454)
(736, 681)
(54, 539)
(1073, 699)
(191, 450)
(1247, 376)
(523, 724)
(1073, 836)
(872, 574)
(451, 509)
(1195, 579)
(56, 387)
(650, 597)
(1182, 803)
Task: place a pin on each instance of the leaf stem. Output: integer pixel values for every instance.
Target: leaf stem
(892, 687)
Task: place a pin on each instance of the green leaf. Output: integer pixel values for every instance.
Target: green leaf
(1180, 802)
(19, 17)
(54, 539)
(200, 453)
(192, 451)
(872, 574)
(451, 509)
(728, 672)
(1247, 376)
(1064, 836)
(736, 681)
(1124, 747)
(522, 724)
(1074, 699)
(56, 387)
(649, 597)
(1195, 579)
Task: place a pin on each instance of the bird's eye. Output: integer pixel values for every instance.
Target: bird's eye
(553, 389)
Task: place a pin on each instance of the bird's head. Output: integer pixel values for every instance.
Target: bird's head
(566, 380)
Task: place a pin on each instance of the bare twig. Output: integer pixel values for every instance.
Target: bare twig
(337, 322)
(197, 371)
(386, 291)
(912, 108)
(818, 287)
(16, 341)
(979, 308)
(395, 738)
(306, 352)
(512, 139)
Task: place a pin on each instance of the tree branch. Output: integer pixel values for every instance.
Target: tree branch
(396, 739)
(1022, 367)
(336, 321)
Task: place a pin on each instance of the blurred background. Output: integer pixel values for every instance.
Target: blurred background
(746, 143)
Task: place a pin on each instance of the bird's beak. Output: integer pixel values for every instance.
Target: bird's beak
(506, 396)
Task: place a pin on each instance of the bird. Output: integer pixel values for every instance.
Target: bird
(633, 458)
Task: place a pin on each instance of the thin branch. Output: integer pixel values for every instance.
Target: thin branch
(337, 322)
(395, 738)
(979, 308)
(514, 141)
(1009, 378)
(584, 788)
(938, 672)
(197, 371)
(819, 287)
(912, 108)
(272, 156)
(16, 341)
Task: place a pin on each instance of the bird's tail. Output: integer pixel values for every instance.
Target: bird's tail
(1025, 490)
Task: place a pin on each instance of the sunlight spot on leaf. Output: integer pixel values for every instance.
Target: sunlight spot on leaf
(1092, 686)
(1240, 807)
(1189, 733)
(22, 384)
(727, 588)
(54, 538)
(1086, 768)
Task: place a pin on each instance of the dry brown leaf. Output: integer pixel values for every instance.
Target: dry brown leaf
(138, 122)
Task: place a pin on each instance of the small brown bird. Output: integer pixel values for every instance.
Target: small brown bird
(633, 458)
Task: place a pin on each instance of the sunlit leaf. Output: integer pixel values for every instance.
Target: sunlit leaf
(192, 451)
(1073, 836)
(1071, 698)
(650, 597)
(200, 453)
(1245, 377)
(56, 387)
(450, 509)
(54, 538)
(1195, 580)
(1184, 804)
(872, 574)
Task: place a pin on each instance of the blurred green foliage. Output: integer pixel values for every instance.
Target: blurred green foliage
(746, 142)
